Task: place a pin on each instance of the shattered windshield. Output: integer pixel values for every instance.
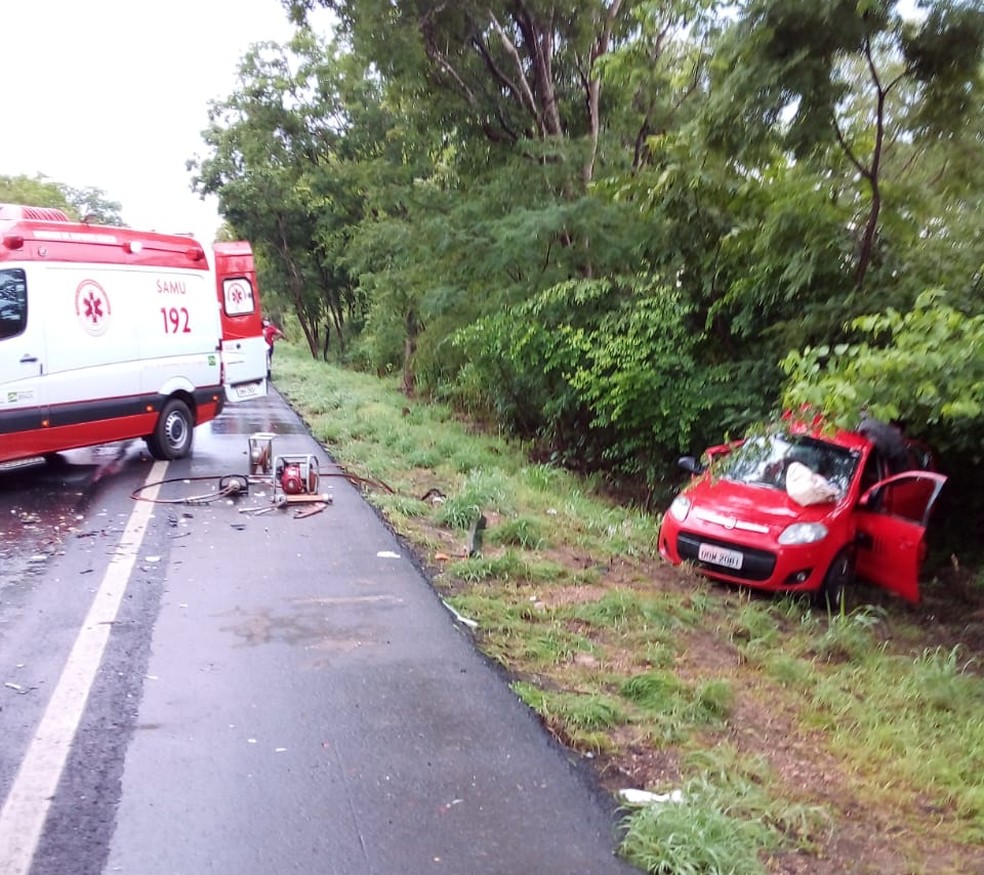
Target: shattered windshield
(765, 461)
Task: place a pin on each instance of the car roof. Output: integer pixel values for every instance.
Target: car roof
(850, 439)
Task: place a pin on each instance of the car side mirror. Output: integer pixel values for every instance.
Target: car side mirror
(689, 463)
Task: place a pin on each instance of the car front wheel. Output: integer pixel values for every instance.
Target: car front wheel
(836, 581)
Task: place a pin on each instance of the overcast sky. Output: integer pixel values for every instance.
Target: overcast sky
(113, 94)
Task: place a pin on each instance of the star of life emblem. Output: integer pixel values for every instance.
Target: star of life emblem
(92, 307)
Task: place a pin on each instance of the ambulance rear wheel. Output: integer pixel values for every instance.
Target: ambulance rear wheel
(171, 438)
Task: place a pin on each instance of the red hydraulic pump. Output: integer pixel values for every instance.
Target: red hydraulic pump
(296, 475)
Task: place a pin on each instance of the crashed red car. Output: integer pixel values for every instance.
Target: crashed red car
(806, 511)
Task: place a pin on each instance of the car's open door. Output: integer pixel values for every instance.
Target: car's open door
(891, 520)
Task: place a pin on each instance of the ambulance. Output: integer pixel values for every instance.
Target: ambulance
(109, 334)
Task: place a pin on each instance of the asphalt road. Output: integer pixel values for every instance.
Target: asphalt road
(190, 689)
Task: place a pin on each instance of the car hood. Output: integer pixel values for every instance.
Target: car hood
(753, 508)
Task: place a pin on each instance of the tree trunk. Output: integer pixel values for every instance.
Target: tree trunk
(296, 291)
(409, 349)
(867, 247)
(873, 175)
(593, 87)
(338, 318)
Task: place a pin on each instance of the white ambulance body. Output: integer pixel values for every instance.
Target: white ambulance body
(108, 334)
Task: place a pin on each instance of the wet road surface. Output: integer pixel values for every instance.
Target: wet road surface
(276, 695)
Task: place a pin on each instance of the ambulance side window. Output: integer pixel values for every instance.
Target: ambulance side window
(13, 302)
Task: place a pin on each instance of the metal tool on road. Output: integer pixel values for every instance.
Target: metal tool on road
(259, 511)
(310, 510)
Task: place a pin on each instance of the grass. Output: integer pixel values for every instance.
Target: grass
(617, 653)
(724, 821)
(912, 722)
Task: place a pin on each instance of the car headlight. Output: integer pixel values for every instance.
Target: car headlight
(803, 533)
(680, 508)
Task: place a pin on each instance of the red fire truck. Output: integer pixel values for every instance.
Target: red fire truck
(108, 334)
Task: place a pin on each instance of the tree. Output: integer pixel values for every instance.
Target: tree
(923, 366)
(851, 76)
(501, 108)
(92, 205)
(277, 164)
(519, 70)
(36, 191)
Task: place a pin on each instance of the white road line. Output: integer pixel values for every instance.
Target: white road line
(23, 814)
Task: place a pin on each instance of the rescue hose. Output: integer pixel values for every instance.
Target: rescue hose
(356, 480)
(230, 486)
(234, 485)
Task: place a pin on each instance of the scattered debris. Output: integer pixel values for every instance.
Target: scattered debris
(17, 688)
(258, 511)
(471, 624)
(387, 554)
(645, 797)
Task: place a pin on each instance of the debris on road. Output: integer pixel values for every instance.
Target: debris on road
(17, 688)
(258, 511)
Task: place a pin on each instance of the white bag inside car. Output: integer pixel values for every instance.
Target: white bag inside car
(806, 487)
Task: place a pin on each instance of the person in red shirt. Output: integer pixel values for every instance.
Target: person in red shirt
(270, 334)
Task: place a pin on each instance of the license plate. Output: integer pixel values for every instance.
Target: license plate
(719, 556)
(247, 390)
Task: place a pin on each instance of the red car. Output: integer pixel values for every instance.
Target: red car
(804, 511)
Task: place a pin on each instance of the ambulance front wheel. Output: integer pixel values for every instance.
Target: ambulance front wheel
(171, 438)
